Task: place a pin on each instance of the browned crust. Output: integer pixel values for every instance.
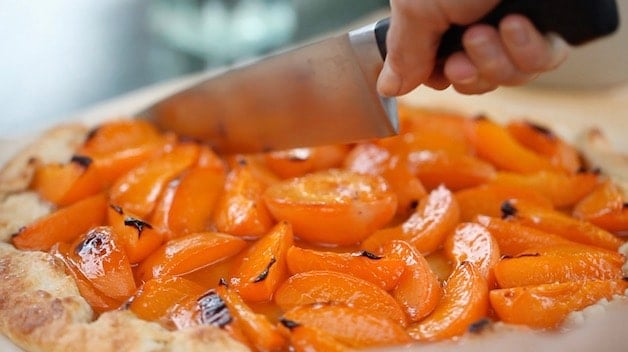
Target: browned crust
(41, 308)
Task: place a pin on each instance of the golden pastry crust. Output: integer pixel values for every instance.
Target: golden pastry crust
(41, 308)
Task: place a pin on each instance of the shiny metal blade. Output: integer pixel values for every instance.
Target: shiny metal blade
(322, 93)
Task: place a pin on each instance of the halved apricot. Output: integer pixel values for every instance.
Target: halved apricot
(604, 207)
(334, 206)
(158, 295)
(138, 237)
(300, 161)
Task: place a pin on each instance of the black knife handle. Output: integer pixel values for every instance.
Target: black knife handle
(576, 21)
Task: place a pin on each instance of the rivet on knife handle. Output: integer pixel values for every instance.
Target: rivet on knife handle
(576, 21)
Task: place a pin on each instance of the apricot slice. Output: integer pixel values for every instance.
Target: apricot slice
(333, 206)
(514, 238)
(455, 171)
(494, 143)
(356, 327)
(464, 301)
(604, 207)
(561, 189)
(546, 306)
(158, 295)
(261, 333)
(137, 236)
(300, 161)
(321, 286)
(188, 253)
(426, 228)
(64, 184)
(262, 267)
(241, 210)
(306, 339)
(487, 199)
(558, 263)
(473, 242)
(374, 159)
(138, 190)
(381, 271)
(101, 259)
(418, 291)
(560, 224)
(62, 225)
(546, 143)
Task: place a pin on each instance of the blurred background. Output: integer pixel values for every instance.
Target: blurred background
(60, 56)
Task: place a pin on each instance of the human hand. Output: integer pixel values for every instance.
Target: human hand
(512, 54)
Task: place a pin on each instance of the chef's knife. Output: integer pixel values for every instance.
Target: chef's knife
(325, 92)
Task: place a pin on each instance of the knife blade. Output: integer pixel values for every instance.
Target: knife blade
(324, 92)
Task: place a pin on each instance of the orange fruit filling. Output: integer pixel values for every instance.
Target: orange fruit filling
(416, 237)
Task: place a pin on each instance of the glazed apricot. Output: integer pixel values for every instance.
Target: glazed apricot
(64, 184)
(188, 253)
(62, 225)
(561, 189)
(261, 333)
(514, 238)
(321, 286)
(419, 290)
(382, 271)
(464, 301)
(426, 228)
(560, 224)
(558, 263)
(158, 295)
(353, 326)
(334, 206)
(305, 339)
(138, 237)
(546, 306)
(262, 267)
(474, 243)
(546, 143)
(138, 190)
(101, 259)
(495, 144)
(455, 171)
(240, 209)
(374, 159)
(300, 161)
(487, 199)
(604, 207)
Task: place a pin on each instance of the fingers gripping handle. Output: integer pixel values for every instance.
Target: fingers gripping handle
(577, 21)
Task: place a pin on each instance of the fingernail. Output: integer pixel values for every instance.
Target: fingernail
(388, 82)
(516, 33)
(483, 47)
(560, 49)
